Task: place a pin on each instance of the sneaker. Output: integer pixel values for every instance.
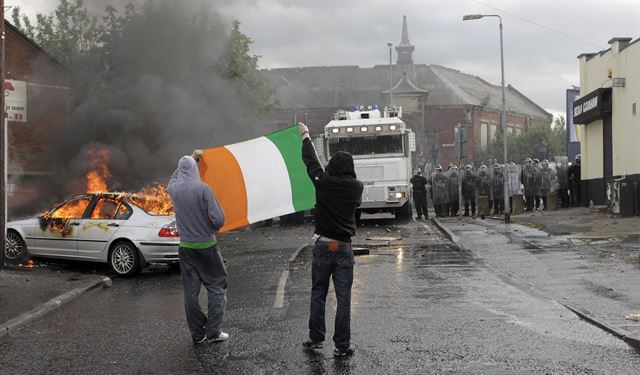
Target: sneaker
(201, 341)
(223, 336)
(344, 352)
(310, 344)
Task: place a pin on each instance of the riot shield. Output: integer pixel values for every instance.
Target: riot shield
(453, 179)
(513, 179)
(562, 171)
(528, 179)
(439, 188)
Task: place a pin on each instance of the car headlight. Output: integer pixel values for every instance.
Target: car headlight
(399, 195)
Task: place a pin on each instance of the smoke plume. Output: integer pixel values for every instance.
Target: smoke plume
(155, 97)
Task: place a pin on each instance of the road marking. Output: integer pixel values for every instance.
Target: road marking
(279, 301)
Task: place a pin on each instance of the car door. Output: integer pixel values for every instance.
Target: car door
(96, 229)
(59, 227)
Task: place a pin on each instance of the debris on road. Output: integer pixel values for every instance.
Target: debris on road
(635, 317)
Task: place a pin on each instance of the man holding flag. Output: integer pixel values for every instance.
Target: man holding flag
(198, 217)
(338, 193)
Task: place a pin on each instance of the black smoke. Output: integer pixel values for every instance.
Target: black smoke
(154, 94)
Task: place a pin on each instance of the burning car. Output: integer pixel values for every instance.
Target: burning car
(126, 230)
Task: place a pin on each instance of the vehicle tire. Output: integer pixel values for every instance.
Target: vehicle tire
(404, 212)
(14, 247)
(124, 259)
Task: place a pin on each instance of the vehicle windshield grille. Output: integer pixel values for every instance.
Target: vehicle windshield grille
(383, 144)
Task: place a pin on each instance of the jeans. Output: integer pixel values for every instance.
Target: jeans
(197, 267)
(331, 260)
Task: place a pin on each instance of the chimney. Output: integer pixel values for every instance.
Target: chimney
(618, 44)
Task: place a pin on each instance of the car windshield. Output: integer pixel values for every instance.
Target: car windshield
(381, 144)
(73, 209)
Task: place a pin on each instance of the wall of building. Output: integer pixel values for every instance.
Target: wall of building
(626, 125)
(48, 109)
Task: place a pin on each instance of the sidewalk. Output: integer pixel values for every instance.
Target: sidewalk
(28, 294)
(581, 258)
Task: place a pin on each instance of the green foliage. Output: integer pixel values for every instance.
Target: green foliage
(541, 141)
(98, 50)
(241, 68)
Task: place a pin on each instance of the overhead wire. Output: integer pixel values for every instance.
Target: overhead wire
(539, 25)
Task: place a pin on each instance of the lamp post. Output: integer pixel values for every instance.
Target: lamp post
(390, 73)
(503, 117)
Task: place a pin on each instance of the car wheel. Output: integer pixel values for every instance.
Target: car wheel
(124, 259)
(14, 246)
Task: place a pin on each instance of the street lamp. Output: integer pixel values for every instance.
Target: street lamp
(503, 117)
(390, 74)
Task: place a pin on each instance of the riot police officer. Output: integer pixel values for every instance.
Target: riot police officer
(439, 191)
(419, 184)
(528, 177)
(544, 177)
(469, 181)
(453, 179)
(497, 188)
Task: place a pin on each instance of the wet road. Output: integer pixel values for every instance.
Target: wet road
(420, 305)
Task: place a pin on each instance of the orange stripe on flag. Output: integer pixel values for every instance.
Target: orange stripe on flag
(220, 170)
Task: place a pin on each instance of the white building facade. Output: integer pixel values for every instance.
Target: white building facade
(608, 120)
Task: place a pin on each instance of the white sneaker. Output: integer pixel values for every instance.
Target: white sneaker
(223, 336)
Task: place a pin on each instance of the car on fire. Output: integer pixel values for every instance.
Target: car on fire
(120, 229)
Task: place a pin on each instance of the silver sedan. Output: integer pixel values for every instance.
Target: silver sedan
(109, 228)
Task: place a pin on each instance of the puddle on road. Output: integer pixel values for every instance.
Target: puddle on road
(444, 255)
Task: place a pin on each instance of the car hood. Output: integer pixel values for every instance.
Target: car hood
(30, 221)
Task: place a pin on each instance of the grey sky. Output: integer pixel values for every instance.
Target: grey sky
(538, 62)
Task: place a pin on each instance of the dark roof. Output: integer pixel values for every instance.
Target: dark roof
(339, 86)
(31, 42)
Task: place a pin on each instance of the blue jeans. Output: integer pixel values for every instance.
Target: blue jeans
(331, 262)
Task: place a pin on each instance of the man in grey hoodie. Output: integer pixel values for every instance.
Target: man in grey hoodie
(198, 217)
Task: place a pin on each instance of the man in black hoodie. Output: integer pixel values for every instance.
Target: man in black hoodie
(338, 193)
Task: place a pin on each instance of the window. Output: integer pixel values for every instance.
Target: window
(518, 131)
(124, 212)
(384, 144)
(494, 132)
(484, 135)
(73, 209)
(509, 130)
(105, 209)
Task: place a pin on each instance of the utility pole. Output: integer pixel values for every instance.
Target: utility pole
(3, 146)
(390, 73)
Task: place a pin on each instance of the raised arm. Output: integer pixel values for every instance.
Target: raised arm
(309, 156)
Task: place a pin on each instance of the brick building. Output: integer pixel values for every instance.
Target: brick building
(38, 96)
(434, 99)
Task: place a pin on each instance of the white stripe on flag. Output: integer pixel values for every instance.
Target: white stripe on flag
(265, 178)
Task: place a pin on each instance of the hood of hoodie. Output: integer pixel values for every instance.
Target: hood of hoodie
(187, 171)
(341, 164)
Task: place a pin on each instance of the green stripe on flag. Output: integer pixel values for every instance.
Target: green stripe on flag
(289, 143)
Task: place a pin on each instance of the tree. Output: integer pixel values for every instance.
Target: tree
(241, 68)
(541, 141)
(150, 83)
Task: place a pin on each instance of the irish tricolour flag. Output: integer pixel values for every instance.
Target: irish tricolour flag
(259, 179)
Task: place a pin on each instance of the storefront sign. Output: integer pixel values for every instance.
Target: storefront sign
(15, 96)
(592, 106)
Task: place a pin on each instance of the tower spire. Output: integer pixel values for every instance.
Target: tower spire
(405, 48)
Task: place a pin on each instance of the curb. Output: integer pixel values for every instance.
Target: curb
(449, 234)
(52, 304)
(618, 332)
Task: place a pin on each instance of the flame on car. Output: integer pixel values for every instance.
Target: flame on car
(154, 198)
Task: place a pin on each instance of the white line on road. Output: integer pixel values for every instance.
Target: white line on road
(279, 302)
